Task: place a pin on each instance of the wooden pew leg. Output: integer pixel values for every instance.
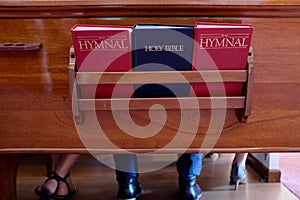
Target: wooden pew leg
(8, 176)
(48, 165)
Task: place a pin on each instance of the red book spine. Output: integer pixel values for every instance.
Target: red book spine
(99, 49)
(220, 46)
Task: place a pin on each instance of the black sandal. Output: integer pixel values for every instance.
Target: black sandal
(70, 193)
(45, 194)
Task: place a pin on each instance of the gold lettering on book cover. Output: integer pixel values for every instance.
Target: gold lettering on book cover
(223, 41)
(110, 43)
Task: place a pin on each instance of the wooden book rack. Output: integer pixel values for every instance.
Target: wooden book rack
(242, 104)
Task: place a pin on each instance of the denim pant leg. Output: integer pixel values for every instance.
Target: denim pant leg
(189, 165)
(126, 166)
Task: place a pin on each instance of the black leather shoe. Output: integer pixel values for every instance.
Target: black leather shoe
(129, 189)
(189, 189)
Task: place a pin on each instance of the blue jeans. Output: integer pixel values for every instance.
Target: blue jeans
(187, 165)
(126, 166)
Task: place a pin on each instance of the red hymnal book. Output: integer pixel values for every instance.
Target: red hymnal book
(220, 46)
(100, 48)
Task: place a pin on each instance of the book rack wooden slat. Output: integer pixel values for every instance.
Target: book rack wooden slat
(240, 103)
(157, 77)
(172, 103)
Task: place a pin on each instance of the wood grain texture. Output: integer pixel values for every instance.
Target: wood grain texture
(35, 102)
(142, 8)
(267, 175)
(156, 77)
(9, 169)
(143, 2)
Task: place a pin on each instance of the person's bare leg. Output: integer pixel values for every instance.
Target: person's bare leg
(55, 159)
(65, 163)
(238, 170)
(240, 158)
(63, 166)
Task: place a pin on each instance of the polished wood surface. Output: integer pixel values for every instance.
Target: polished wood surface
(143, 2)
(142, 8)
(36, 104)
(157, 77)
(8, 175)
